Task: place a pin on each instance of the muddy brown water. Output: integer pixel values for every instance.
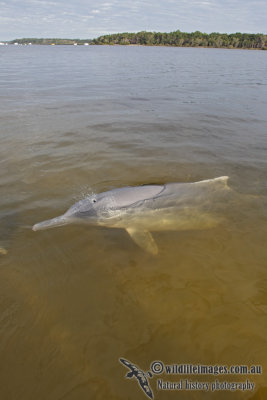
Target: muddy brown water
(73, 300)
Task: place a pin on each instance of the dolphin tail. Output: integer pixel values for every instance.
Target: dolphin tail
(144, 239)
(51, 223)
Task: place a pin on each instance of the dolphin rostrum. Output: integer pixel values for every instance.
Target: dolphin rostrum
(144, 209)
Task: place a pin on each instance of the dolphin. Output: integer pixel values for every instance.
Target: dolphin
(141, 210)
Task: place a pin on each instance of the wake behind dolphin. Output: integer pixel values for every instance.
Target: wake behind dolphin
(141, 210)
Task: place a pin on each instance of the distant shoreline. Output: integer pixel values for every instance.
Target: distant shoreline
(147, 45)
(173, 46)
(248, 41)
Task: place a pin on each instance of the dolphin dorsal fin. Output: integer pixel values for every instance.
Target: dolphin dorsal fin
(144, 239)
(220, 180)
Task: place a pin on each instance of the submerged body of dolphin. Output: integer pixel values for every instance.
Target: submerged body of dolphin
(144, 209)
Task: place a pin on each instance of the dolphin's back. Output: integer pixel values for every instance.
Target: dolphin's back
(125, 197)
(173, 206)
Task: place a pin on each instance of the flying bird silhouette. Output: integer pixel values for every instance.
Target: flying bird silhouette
(140, 375)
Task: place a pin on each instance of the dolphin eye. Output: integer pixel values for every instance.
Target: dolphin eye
(94, 200)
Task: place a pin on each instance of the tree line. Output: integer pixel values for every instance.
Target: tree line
(183, 39)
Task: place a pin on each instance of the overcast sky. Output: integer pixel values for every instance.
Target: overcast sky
(89, 19)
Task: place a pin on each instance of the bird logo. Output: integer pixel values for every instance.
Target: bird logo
(141, 376)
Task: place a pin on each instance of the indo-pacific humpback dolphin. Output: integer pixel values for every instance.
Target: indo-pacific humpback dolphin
(144, 209)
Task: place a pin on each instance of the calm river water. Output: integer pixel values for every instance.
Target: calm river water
(73, 300)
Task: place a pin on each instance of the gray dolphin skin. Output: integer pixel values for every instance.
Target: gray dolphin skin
(141, 210)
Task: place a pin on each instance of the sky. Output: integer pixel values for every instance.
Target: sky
(87, 19)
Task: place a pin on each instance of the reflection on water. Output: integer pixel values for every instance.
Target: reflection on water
(76, 299)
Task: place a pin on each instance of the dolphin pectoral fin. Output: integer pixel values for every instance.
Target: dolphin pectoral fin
(144, 239)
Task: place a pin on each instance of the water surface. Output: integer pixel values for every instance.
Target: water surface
(78, 120)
